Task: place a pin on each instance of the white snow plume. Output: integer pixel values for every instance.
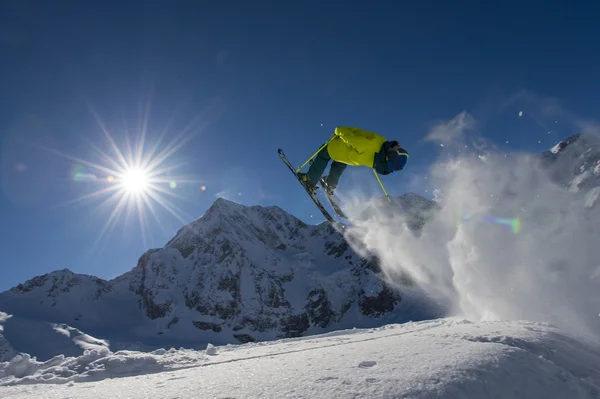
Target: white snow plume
(448, 132)
(543, 266)
(548, 111)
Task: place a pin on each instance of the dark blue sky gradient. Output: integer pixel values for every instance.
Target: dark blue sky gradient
(246, 78)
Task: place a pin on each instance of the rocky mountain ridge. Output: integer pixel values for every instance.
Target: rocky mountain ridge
(237, 274)
(575, 163)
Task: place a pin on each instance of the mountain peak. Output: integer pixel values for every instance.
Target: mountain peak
(561, 145)
(236, 274)
(226, 220)
(575, 163)
(225, 205)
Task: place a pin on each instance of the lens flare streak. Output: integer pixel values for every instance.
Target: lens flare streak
(514, 224)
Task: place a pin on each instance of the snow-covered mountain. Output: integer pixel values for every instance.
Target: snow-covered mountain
(237, 274)
(240, 274)
(575, 163)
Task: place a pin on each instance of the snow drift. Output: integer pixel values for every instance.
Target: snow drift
(441, 358)
(44, 340)
(516, 236)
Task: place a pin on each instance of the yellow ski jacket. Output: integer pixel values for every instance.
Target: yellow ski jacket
(354, 146)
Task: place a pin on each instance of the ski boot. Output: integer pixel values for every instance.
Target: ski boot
(328, 189)
(304, 180)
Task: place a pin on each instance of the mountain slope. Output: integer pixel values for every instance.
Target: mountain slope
(237, 274)
(248, 270)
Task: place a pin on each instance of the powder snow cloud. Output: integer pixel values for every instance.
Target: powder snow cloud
(547, 271)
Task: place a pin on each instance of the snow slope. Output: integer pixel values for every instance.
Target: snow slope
(444, 358)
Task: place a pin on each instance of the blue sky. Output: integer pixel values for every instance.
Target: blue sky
(238, 80)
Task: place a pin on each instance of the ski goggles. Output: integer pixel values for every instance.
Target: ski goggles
(394, 158)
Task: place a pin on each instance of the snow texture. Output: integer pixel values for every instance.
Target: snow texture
(444, 358)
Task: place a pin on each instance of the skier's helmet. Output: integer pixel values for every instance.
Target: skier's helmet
(397, 159)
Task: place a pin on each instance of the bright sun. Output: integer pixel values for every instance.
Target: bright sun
(137, 178)
(135, 181)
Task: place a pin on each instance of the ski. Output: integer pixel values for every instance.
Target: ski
(332, 200)
(311, 195)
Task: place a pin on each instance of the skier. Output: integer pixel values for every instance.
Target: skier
(355, 147)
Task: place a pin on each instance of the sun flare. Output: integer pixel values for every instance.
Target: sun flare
(135, 181)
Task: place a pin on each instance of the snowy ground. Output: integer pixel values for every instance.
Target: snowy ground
(445, 358)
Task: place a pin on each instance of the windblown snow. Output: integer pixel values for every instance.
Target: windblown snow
(512, 239)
